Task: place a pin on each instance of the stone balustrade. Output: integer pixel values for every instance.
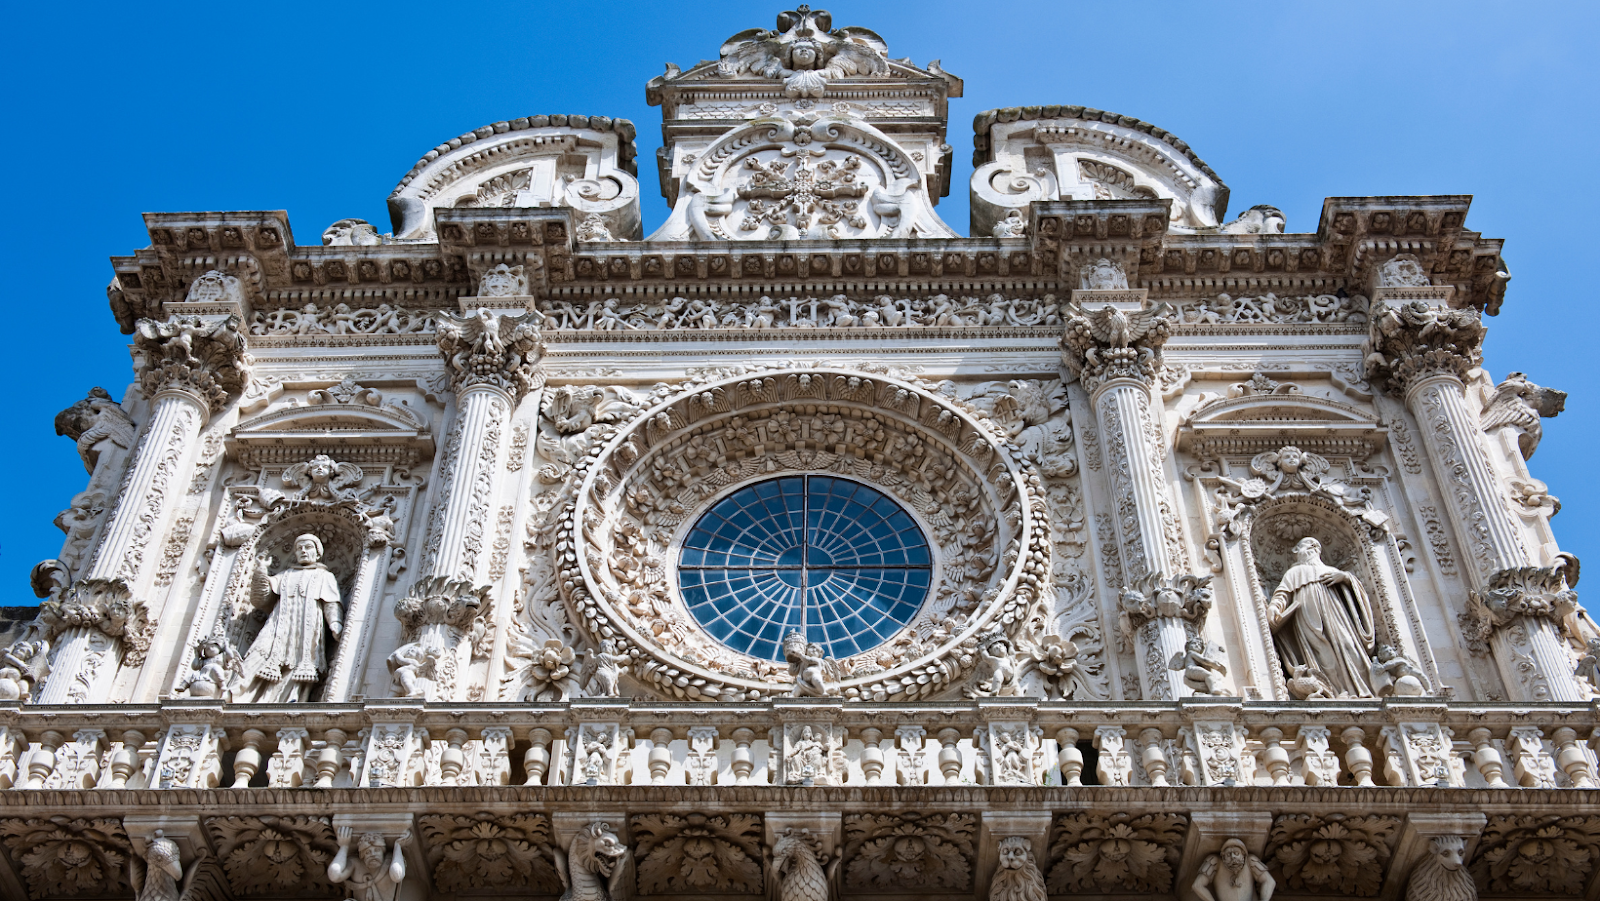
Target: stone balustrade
(1202, 742)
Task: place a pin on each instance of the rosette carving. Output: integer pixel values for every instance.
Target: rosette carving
(958, 473)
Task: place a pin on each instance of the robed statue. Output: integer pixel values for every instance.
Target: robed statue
(1321, 618)
(289, 656)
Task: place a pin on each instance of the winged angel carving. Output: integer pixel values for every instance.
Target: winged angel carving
(805, 51)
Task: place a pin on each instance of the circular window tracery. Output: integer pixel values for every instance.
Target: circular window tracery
(835, 559)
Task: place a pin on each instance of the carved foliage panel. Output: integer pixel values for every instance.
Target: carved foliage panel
(1334, 854)
(903, 852)
(484, 851)
(1115, 853)
(1537, 855)
(698, 854)
(279, 857)
(62, 857)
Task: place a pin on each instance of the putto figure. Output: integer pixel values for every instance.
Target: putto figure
(1234, 874)
(1321, 616)
(289, 656)
(815, 675)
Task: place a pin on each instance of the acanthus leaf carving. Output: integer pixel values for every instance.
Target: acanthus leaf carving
(903, 852)
(200, 355)
(1334, 854)
(698, 854)
(64, 856)
(479, 851)
(1116, 853)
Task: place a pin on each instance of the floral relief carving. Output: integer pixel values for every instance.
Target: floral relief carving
(63, 857)
(469, 852)
(271, 855)
(1537, 855)
(837, 311)
(902, 852)
(1116, 853)
(698, 854)
(1340, 855)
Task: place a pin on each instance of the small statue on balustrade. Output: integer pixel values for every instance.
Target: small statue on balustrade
(289, 655)
(1321, 617)
(1202, 673)
(815, 674)
(216, 668)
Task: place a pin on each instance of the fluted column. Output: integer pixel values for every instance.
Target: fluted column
(193, 366)
(493, 361)
(1421, 353)
(1116, 353)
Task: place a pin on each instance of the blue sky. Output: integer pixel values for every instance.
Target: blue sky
(319, 109)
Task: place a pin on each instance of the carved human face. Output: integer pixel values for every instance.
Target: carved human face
(1309, 550)
(306, 550)
(1013, 853)
(371, 850)
(1195, 645)
(804, 55)
(1289, 459)
(1233, 857)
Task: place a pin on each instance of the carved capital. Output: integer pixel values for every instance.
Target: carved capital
(1115, 343)
(1185, 597)
(199, 355)
(1412, 341)
(1537, 592)
(105, 605)
(485, 348)
(440, 601)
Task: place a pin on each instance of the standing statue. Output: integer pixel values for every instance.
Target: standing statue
(157, 875)
(594, 865)
(1018, 877)
(1234, 874)
(289, 654)
(371, 877)
(1321, 616)
(795, 868)
(1442, 875)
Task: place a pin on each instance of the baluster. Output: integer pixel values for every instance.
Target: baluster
(1356, 755)
(660, 757)
(247, 762)
(1154, 756)
(125, 760)
(1068, 757)
(1487, 758)
(950, 756)
(742, 763)
(1572, 760)
(43, 761)
(536, 761)
(452, 761)
(872, 755)
(1276, 758)
(330, 758)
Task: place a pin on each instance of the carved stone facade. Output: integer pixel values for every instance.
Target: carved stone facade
(805, 549)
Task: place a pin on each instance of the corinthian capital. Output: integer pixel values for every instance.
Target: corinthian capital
(105, 605)
(484, 348)
(1535, 592)
(1112, 343)
(439, 601)
(1414, 340)
(205, 356)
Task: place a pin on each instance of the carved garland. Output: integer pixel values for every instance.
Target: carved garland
(643, 484)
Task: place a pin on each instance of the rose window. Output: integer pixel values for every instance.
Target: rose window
(838, 560)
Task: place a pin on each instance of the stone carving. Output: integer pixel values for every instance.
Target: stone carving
(1108, 343)
(485, 348)
(1202, 671)
(1393, 674)
(547, 668)
(594, 865)
(486, 851)
(23, 668)
(805, 52)
(1332, 854)
(1234, 874)
(1538, 592)
(341, 319)
(603, 670)
(157, 875)
(1011, 226)
(1261, 219)
(698, 853)
(289, 655)
(215, 671)
(1413, 340)
(890, 852)
(270, 855)
(1519, 404)
(504, 281)
(809, 755)
(1269, 308)
(1010, 753)
(1094, 853)
(593, 228)
(797, 869)
(815, 675)
(351, 233)
(437, 614)
(599, 753)
(839, 311)
(1320, 617)
(1016, 876)
(64, 856)
(1102, 275)
(1403, 271)
(372, 876)
(1537, 854)
(98, 425)
(191, 353)
(996, 672)
(1441, 874)
(1289, 470)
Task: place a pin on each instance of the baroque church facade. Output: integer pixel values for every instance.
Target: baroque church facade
(804, 547)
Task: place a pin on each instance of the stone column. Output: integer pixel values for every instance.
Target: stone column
(1420, 351)
(193, 366)
(1116, 353)
(493, 361)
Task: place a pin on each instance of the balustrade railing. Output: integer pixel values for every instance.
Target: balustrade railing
(801, 742)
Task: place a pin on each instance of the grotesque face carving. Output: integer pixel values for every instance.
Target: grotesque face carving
(1014, 852)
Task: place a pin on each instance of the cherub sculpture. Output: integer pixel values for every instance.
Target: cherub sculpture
(1202, 673)
(806, 52)
(215, 670)
(815, 674)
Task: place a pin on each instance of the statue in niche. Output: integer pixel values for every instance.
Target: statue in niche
(1202, 673)
(1394, 675)
(289, 655)
(1320, 616)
